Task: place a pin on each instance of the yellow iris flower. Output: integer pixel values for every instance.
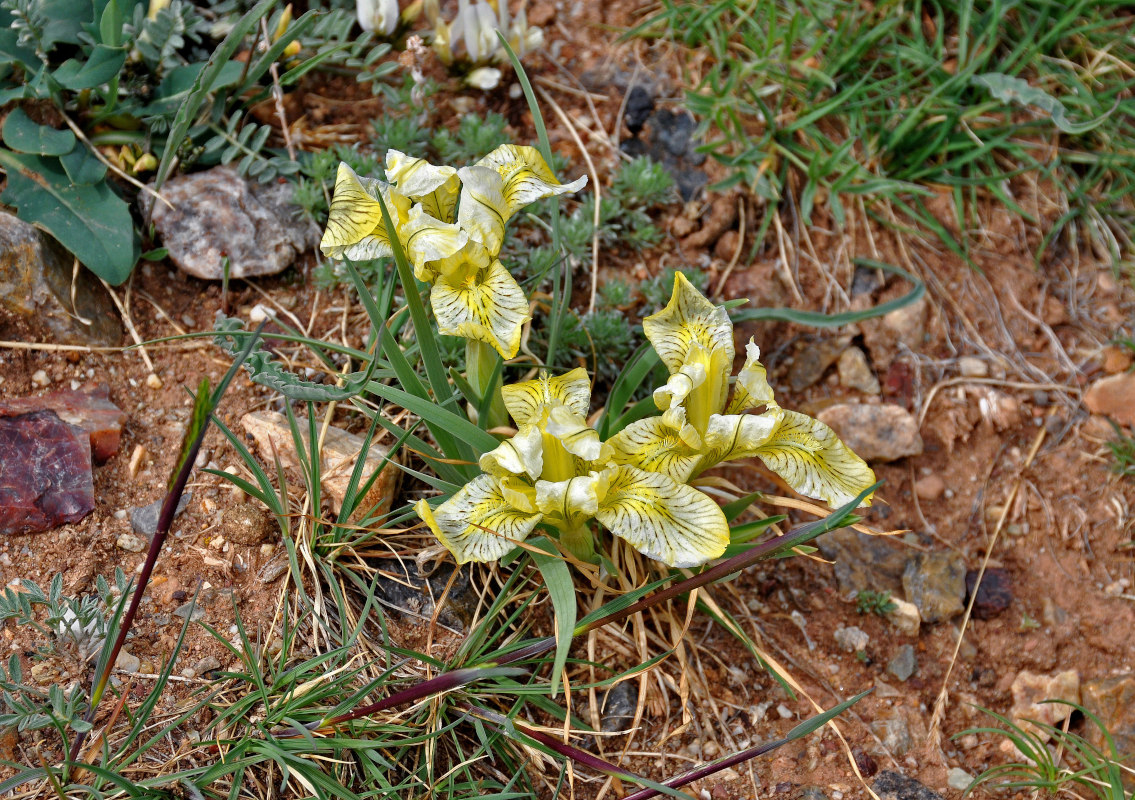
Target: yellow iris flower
(698, 430)
(556, 471)
(451, 224)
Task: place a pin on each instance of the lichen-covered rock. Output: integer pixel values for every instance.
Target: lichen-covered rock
(45, 473)
(865, 562)
(44, 297)
(1113, 701)
(875, 432)
(1030, 691)
(218, 213)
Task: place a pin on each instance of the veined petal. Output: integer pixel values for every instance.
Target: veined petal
(478, 523)
(666, 444)
(434, 247)
(435, 188)
(526, 401)
(488, 306)
(573, 432)
(665, 520)
(355, 228)
(732, 436)
(689, 319)
(523, 454)
(483, 211)
(526, 176)
(575, 500)
(810, 458)
(679, 386)
(752, 389)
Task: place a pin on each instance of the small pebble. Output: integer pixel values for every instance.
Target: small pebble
(784, 711)
(130, 543)
(39, 378)
(136, 459)
(189, 672)
(973, 367)
(852, 639)
(959, 779)
(207, 665)
(153, 381)
(120, 513)
(127, 661)
(929, 488)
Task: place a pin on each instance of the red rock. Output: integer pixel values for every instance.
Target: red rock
(45, 473)
(88, 408)
(1113, 396)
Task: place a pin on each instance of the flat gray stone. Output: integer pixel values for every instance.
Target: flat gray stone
(144, 519)
(903, 665)
(217, 213)
(936, 583)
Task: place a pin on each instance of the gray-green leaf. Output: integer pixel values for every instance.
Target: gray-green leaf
(26, 136)
(1015, 90)
(91, 221)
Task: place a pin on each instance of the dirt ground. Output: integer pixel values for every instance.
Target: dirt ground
(1017, 441)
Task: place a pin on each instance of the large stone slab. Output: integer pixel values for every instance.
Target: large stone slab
(45, 473)
(218, 213)
(88, 408)
(43, 297)
(339, 455)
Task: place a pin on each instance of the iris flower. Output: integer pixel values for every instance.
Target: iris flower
(474, 30)
(378, 15)
(698, 429)
(555, 471)
(450, 222)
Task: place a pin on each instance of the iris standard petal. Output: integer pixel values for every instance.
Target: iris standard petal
(488, 306)
(573, 432)
(527, 400)
(663, 519)
(478, 523)
(483, 211)
(752, 389)
(526, 176)
(686, 320)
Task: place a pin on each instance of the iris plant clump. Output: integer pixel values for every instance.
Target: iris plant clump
(555, 472)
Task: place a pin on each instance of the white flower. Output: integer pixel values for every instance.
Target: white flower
(378, 15)
(484, 78)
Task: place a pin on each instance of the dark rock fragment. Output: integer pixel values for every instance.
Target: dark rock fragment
(45, 473)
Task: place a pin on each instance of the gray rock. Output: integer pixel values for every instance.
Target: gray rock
(875, 432)
(618, 707)
(190, 610)
(401, 586)
(144, 519)
(894, 731)
(852, 639)
(908, 323)
(206, 665)
(36, 278)
(894, 786)
(865, 562)
(218, 213)
(959, 779)
(812, 793)
(936, 584)
(855, 372)
(903, 665)
(811, 361)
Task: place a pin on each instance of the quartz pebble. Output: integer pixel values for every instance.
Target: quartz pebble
(45, 473)
(972, 367)
(130, 543)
